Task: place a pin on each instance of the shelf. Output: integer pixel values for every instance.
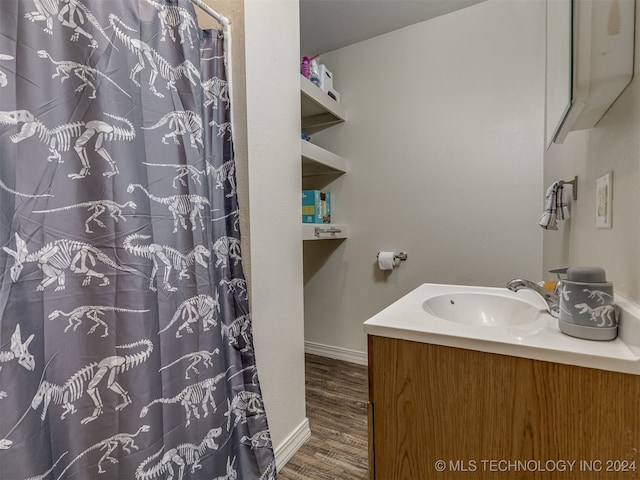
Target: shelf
(318, 109)
(318, 161)
(324, 231)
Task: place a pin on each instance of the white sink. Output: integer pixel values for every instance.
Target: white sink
(497, 320)
(496, 309)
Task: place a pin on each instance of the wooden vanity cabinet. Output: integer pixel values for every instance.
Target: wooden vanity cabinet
(476, 411)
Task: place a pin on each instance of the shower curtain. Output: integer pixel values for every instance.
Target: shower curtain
(126, 348)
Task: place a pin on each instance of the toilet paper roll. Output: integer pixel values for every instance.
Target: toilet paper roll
(386, 260)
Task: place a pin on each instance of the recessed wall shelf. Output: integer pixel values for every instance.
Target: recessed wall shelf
(318, 161)
(319, 111)
(324, 231)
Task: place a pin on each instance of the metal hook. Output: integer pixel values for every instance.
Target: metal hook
(574, 184)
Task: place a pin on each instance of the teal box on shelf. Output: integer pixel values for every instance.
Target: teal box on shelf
(316, 206)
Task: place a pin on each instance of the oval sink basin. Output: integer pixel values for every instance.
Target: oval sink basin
(486, 309)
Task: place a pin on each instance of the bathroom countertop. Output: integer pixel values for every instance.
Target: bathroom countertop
(406, 319)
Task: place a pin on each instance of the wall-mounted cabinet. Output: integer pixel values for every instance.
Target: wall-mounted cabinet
(319, 166)
(590, 51)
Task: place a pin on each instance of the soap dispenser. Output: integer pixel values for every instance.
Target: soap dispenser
(586, 303)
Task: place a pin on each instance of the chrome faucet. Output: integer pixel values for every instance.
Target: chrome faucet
(552, 299)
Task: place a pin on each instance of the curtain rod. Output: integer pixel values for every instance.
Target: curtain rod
(224, 21)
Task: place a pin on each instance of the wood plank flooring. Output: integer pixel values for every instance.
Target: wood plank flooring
(337, 395)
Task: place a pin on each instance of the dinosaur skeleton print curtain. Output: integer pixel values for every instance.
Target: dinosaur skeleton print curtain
(126, 350)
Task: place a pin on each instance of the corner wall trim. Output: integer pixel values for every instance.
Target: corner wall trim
(292, 444)
(339, 353)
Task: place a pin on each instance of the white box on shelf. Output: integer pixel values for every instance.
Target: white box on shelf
(326, 83)
(335, 95)
(326, 78)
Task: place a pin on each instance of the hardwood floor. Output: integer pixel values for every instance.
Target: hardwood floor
(337, 395)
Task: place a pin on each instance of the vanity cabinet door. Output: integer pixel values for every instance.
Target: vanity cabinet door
(449, 413)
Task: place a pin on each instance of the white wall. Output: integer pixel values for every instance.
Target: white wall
(273, 126)
(266, 110)
(612, 145)
(445, 143)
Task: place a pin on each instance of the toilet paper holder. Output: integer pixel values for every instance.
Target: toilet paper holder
(398, 256)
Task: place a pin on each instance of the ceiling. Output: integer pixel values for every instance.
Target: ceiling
(326, 25)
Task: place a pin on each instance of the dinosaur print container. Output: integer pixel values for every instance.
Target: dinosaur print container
(586, 304)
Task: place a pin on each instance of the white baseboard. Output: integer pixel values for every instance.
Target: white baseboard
(292, 444)
(339, 353)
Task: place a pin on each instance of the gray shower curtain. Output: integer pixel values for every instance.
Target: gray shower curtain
(126, 349)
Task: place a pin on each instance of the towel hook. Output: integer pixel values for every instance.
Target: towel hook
(574, 184)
